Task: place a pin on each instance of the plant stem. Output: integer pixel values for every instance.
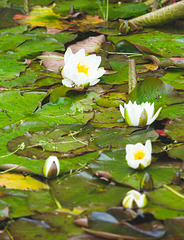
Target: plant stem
(107, 11)
(132, 76)
(26, 6)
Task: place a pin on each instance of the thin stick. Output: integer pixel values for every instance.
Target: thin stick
(173, 191)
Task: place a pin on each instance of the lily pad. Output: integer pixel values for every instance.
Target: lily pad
(166, 198)
(114, 163)
(18, 181)
(16, 107)
(177, 151)
(9, 67)
(48, 225)
(34, 47)
(165, 44)
(175, 129)
(154, 90)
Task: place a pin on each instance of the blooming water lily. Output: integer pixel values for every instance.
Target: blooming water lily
(139, 115)
(139, 155)
(80, 70)
(51, 167)
(134, 199)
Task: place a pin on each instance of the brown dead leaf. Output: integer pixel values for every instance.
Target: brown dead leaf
(52, 60)
(91, 44)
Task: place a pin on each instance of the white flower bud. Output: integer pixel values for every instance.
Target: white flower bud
(51, 167)
(134, 199)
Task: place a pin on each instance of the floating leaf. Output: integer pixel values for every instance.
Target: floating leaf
(91, 44)
(18, 181)
(175, 129)
(166, 44)
(15, 107)
(9, 67)
(40, 16)
(45, 17)
(154, 90)
(53, 61)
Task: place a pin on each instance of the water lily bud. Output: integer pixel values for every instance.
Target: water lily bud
(138, 156)
(139, 114)
(147, 182)
(81, 71)
(134, 199)
(177, 178)
(51, 167)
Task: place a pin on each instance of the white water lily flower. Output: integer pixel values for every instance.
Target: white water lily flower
(81, 70)
(138, 156)
(134, 199)
(51, 167)
(139, 115)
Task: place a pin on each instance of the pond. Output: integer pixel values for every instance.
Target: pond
(58, 100)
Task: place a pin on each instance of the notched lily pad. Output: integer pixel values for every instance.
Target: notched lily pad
(60, 141)
(175, 129)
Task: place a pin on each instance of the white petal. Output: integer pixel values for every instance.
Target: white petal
(94, 82)
(98, 73)
(155, 116)
(79, 56)
(122, 110)
(149, 108)
(133, 112)
(67, 83)
(148, 146)
(68, 55)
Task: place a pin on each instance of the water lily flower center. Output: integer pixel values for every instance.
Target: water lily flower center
(82, 68)
(139, 155)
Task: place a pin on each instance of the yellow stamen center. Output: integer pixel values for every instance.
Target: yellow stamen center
(137, 196)
(82, 68)
(139, 155)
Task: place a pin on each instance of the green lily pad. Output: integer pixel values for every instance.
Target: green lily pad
(154, 90)
(51, 225)
(166, 198)
(175, 129)
(177, 151)
(11, 41)
(117, 78)
(16, 29)
(15, 107)
(161, 212)
(62, 111)
(34, 47)
(94, 195)
(119, 137)
(9, 67)
(172, 111)
(114, 163)
(127, 10)
(174, 77)
(165, 44)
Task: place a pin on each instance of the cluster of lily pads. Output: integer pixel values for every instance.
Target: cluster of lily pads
(81, 71)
